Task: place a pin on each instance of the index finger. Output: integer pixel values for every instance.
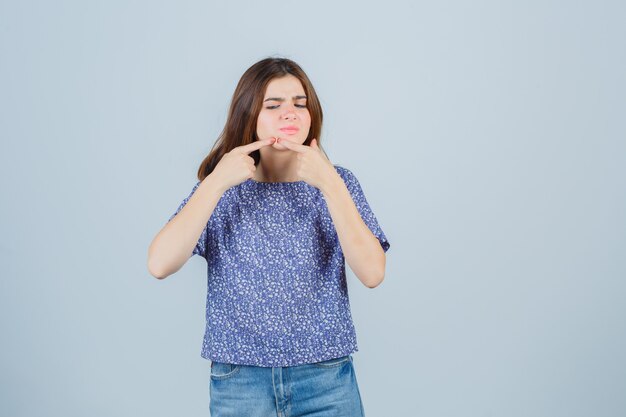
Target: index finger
(250, 147)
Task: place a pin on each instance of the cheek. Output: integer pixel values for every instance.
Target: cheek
(262, 123)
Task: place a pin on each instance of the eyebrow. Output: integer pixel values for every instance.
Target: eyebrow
(282, 99)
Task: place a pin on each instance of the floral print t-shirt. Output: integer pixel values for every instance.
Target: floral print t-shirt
(277, 291)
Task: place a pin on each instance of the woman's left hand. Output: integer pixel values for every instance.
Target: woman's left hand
(313, 165)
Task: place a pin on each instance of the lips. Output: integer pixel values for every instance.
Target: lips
(290, 129)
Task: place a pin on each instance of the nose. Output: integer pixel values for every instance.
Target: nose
(290, 113)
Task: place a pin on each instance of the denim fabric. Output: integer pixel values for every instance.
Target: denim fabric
(326, 388)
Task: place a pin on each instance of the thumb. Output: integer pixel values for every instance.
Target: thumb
(314, 144)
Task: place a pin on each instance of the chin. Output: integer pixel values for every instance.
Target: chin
(293, 139)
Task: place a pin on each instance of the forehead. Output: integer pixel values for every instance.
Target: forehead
(286, 86)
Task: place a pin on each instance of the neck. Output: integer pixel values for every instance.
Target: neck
(276, 167)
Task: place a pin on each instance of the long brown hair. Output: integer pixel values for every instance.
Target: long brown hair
(240, 128)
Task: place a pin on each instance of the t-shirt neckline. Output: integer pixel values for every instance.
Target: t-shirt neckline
(253, 181)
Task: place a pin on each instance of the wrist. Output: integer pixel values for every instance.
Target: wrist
(332, 183)
(213, 182)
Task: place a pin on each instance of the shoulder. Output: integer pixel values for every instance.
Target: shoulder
(349, 179)
(345, 173)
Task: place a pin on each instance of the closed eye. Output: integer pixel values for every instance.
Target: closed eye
(302, 106)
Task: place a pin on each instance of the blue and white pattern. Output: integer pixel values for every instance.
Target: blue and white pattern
(277, 291)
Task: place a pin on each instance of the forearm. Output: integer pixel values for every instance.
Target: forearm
(361, 249)
(173, 245)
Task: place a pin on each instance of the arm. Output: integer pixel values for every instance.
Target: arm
(360, 247)
(173, 245)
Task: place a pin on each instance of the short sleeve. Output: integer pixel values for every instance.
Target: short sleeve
(201, 246)
(362, 205)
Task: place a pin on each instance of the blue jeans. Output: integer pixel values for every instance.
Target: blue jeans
(326, 388)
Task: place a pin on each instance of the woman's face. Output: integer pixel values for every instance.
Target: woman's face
(284, 113)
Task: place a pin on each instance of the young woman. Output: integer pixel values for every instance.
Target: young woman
(276, 222)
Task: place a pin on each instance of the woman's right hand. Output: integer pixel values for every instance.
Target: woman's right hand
(237, 166)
